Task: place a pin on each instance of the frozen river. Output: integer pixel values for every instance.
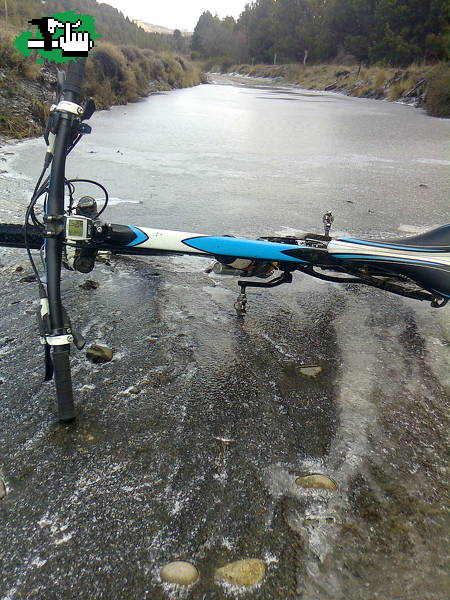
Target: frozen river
(94, 509)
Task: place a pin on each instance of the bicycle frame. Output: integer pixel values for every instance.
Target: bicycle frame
(416, 267)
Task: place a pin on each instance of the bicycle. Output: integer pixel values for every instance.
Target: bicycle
(71, 234)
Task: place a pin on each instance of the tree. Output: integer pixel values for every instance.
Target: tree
(258, 21)
(392, 31)
(205, 22)
(179, 41)
(290, 17)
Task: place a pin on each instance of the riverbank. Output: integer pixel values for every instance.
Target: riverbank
(427, 86)
(115, 75)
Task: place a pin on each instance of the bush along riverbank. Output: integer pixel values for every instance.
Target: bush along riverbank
(427, 86)
(114, 75)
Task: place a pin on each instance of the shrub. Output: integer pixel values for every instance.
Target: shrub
(156, 68)
(109, 62)
(31, 70)
(40, 111)
(173, 70)
(437, 101)
(395, 91)
(380, 79)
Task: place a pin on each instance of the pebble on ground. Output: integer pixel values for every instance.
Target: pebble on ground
(180, 572)
(249, 571)
(316, 481)
(99, 354)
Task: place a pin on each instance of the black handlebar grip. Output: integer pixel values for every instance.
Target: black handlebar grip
(63, 382)
(13, 236)
(74, 80)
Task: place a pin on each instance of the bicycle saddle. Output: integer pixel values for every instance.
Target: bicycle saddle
(424, 258)
(435, 240)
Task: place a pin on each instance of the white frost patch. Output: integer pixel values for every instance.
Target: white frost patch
(320, 511)
(187, 263)
(287, 231)
(37, 437)
(113, 200)
(177, 507)
(86, 386)
(177, 501)
(10, 594)
(177, 592)
(432, 161)
(271, 559)
(284, 351)
(64, 539)
(278, 480)
(129, 391)
(415, 228)
(238, 590)
(20, 176)
(38, 562)
(228, 544)
(118, 356)
(44, 522)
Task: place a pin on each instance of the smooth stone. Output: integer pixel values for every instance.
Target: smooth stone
(180, 572)
(2, 489)
(89, 284)
(242, 572)
(312, 371)
(28, 278)
(316, 481)
(99, 354)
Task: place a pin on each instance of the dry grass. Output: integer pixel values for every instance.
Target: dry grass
(395, 92)
(121, 74)
(437, 102)
(16, 126)
(375, 82)
(379, 79)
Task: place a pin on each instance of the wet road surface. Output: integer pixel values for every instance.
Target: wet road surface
(94, 509)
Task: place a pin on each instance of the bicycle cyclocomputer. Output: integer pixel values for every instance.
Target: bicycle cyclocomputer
(78, 228)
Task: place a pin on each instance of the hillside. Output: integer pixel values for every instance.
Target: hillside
(110, 23)
(153, 28)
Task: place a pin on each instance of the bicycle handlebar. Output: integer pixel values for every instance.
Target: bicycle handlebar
(65, 123)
